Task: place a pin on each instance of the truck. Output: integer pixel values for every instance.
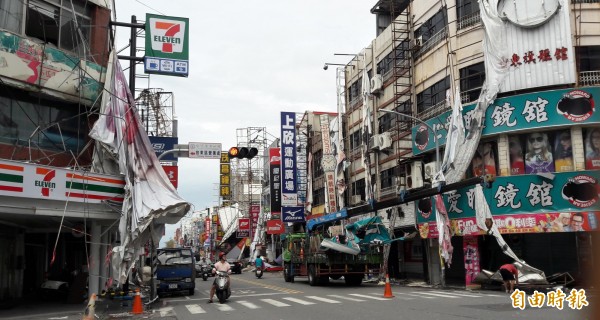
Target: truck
(351, 253)
(175, 271)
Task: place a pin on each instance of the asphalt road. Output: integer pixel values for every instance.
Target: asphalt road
(272, 298)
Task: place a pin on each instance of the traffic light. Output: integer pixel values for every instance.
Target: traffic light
(242, 152)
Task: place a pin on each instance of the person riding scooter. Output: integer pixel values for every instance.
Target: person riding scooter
(260, 266)
(223, 266)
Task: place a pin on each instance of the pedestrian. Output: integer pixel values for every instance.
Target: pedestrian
(510, 276)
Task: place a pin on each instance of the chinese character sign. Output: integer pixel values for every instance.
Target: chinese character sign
(275, 178)
(288, 159)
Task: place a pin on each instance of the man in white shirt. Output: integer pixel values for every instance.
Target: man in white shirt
(221, 265)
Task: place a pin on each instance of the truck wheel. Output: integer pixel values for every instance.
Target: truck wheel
(287, 273)
(192, 291)
(312, 275)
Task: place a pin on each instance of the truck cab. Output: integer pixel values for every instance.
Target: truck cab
(175, 271)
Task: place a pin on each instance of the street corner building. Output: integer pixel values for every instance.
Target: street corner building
(67, 175)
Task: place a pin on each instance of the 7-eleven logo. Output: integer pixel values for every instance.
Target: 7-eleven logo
(167, 35)
(46, 183)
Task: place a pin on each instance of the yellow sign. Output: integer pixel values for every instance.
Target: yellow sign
(225, 168)
(224, 157)
(225, 191)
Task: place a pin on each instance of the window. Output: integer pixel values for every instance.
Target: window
(484, 161)
(433, 95)
(11, 14)
(385, 122)
(589, 58)
(387, 178)
(432, 26)
(592, 149)
(319, 197)
(471, 81)
(355, 89)
(56, 23)
(465, 8)
(541, 152)
(316, 163)
(355, 140)
(387, 63)
(358, 188)
(21, 115)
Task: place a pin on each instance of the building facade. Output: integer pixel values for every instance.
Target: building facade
(539, 135)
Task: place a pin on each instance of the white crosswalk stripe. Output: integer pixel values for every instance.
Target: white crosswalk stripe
(300, 301)
(414, 295)
(224, 307)
(275, 303)
(166, 311)
(438, 295)
(374, 296)
(344, 298)
(323, 299)
(459, 294)
(194, 308)
(248, 305)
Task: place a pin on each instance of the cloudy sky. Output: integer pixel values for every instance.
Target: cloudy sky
(249, 60)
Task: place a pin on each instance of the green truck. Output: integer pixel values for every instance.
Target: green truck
(349, 255)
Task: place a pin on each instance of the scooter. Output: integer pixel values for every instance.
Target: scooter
(223, 291)
(205, 271)
(258, 272)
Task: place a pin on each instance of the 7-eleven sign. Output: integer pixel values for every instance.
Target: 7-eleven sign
(167, 45)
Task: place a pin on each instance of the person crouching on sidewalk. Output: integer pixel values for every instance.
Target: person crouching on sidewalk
(510, 276)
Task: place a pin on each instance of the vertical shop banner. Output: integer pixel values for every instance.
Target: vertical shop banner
(328, 163)
(471, 255)
(243, 230)
(275, 179)
(224, 176)
(289, 194)
(254, 213)
(302, 162)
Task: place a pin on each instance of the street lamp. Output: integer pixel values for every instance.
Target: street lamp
(435, 138)
(334, 64)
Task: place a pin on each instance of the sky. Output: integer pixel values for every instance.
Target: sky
(249, 60)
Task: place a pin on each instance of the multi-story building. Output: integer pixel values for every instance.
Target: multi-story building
(540, 133)
(56, 215)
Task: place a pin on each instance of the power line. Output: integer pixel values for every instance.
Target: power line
(149, 7)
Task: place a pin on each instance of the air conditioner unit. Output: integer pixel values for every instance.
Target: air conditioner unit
(376, 83)
(385, 140)
(375, 142)
(414, 179)
(355, 199)
(429, 171)
(400, 183)
(415, 44)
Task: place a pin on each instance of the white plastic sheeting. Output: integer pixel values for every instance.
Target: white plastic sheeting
(150, 198)
(367, 130)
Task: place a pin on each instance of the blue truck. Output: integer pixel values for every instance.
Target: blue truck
(175, 271)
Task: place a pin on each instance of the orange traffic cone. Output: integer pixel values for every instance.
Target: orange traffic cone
(388, 288)
(90, 311)
(137, 307)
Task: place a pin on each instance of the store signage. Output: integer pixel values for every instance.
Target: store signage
(173, 174)
(163, 144)
(167, 45)
(275, 227)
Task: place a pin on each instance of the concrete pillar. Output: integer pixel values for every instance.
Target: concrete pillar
(94, 279)
(577, 142)
(103, 265)
(503, 155)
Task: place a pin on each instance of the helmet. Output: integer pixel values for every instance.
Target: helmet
(221, 255)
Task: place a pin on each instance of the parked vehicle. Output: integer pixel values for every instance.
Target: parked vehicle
(223, 291)
(175, 271)
(309, 255)
(236, 266)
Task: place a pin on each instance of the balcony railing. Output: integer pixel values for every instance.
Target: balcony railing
(589, 78)
(469, 20)
(433, 41)
(434, 111)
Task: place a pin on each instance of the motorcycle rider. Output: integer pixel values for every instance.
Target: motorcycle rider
(258, 263)
(221, 265)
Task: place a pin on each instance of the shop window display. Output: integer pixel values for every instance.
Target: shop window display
(592, 149)
(539, 154)
(484, 160)
(563, 152)
(517, 162)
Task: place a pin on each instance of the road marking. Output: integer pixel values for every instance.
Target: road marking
(275, 303)
(438, 295)
(414, 295)
(493, 295)
(300, 301)
(460, 294)
(166, 311)
(281, 289)
(224, 307)
(322, 299)
(374, 297)
(248, 305)
(344, 298)
(194, 308)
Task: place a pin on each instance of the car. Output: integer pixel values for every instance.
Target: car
(236, 265)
